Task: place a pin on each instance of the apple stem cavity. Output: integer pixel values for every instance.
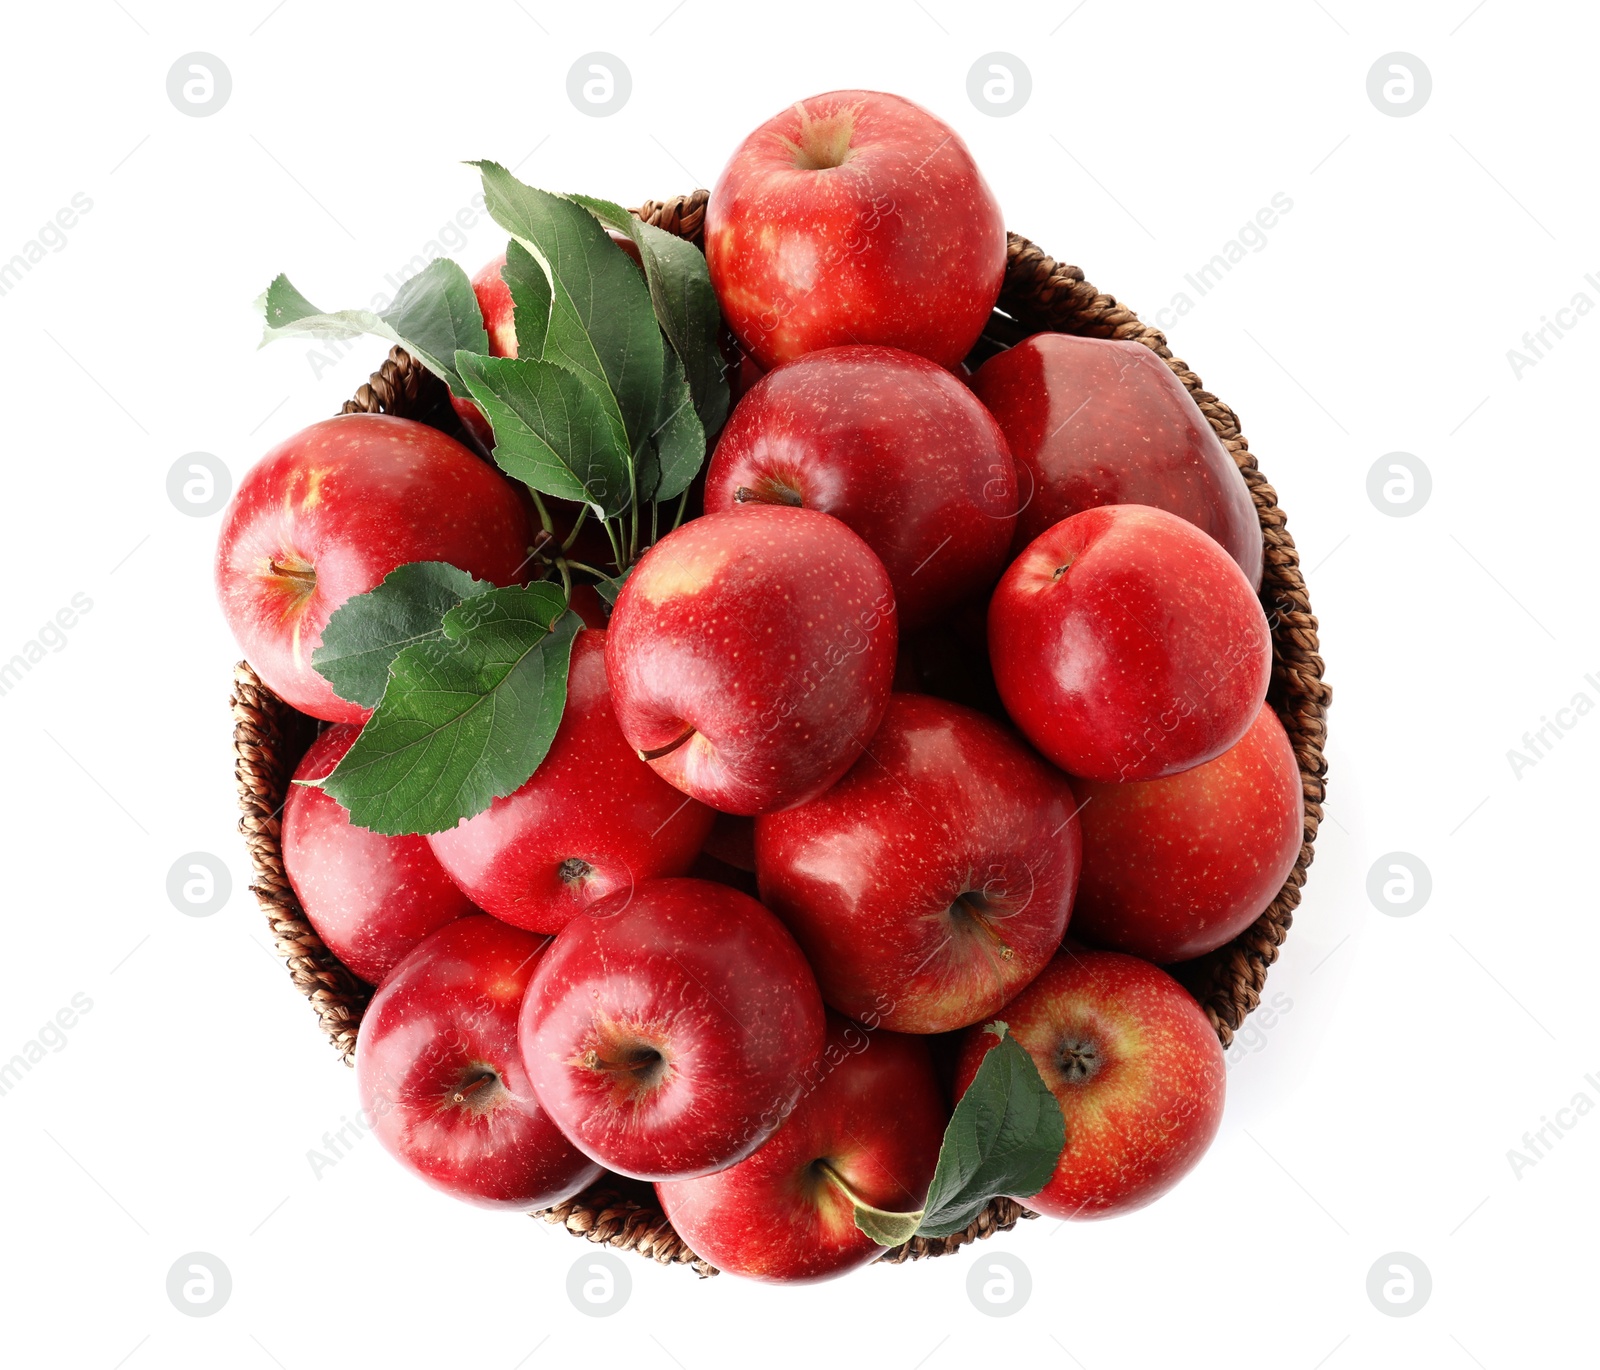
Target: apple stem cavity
(977, 908)
(483, 1076)
(634, 1068)
(770, 491)
(297, 572)
(823, 143)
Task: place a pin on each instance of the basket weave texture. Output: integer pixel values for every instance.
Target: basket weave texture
(1039, 294)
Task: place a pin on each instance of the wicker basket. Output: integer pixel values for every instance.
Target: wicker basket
(1039, 294)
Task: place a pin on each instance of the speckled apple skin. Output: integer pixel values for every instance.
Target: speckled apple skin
(1127, 645)
(944, 801)
(897, 449)
(875, 1112)
(699, 973)
(497, 307)
(903, 245)
(353, 497)
(591, 800)
(447, 1012)
(499, 321)
(1174, 868)
(769, 631)
(371, 898)
(1143, 1120)
(1094, 421)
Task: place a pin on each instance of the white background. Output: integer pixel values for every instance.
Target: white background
(1372, 1113)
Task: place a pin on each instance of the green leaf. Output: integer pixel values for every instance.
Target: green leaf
(466, 718)
(435, 314)
(602, 323)
(530, 298)
(551, 430)
(887, 1229)
(368, 631)
(685, 305)
(884, 1226)
(609, 588)
(677, 449)
(1004, 1137)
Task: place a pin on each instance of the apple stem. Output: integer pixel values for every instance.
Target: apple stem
(544, 514)
(577, 524)
(480, 1080)
(291, 568)
(776, 493)
(619, 557)
(977, 913)
(655, 753)
(884, 1226)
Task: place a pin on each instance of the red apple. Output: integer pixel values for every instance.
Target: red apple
(667, 1028)
(897, 449)
(1134, 1064)
(499, 321)
(441, 1077)
(371, 898)
(1127, 645)
(935, 880)
(586, 603)
(855, 217)
(328, 513)
(474, 421)
(751, 654)
(592, 820)
(499, 313)
(1095, 421)
(1174, 868)
(867, 1128)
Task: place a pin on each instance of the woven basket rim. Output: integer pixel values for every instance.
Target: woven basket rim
(1039, 294)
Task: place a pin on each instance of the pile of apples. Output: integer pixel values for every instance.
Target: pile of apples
(954, 645)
